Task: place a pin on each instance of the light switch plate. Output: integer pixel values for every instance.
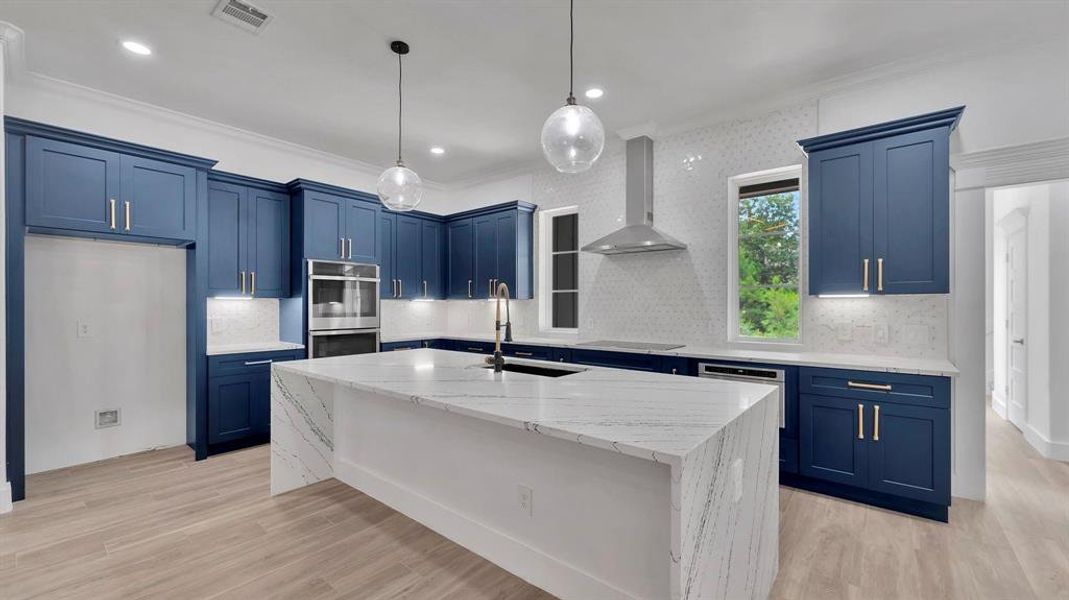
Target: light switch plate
(85, 329)
(880, 334)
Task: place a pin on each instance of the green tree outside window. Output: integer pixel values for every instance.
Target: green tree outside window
(768, 266)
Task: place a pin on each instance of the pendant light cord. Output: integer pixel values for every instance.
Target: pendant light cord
(571, 52)
(400, 74)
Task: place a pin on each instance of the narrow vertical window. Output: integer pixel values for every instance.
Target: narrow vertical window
(768, 246)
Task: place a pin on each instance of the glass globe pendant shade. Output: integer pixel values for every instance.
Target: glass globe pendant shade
(572, 138)
(400, 188)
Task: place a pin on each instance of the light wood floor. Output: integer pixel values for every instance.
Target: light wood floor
(158, 525)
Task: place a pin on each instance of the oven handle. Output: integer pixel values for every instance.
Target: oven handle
(341, 278)
(325, 332)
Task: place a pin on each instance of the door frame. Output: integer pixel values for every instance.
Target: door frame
(1011, 224)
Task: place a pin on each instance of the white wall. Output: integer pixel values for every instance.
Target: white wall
(1059, 319)
(67, 105)
(132, 296)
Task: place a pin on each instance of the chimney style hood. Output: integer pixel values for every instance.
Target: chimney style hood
(638, 235)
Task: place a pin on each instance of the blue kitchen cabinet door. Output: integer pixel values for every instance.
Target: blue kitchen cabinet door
(431, 244)
(840, 220)
(505, 250)
(227, 233)
(362, 225)
(485, 232)
(72, 187)
(238, 406)
(159, 199)
(833, 437)
(676, 365)
(324, 226)
(268, 226)
(461, 248)
(387, 265)
(617, 360)
(910, 457)
(911, 213)
(407, 256)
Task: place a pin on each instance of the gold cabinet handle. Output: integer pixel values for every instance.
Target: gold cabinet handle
(879, 387)
(879, 274)
(524, 354)
(252, 288)
(126, 207)
(469, 288)
(860, 421)
(490, 287)
(400, 288)
(876, 423)
(111, 204)
(342, 251)
(865, 277)
(424, 288)
(350, 253)
(243, 282)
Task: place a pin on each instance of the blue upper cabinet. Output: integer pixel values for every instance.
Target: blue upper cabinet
(69, 186)
(407, 257)
(324, 226)
(491, 245)
(460, 247)
(79, 184)
(879, 207)
(248, 237)
(431, 245)
(226, 238)
(387, 238)
(159, 199)
(269, 243)
(336, 223)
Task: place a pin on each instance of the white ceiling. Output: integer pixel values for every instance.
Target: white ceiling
(483, 75)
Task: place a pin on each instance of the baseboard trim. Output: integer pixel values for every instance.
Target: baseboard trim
(5, 498)
(998, 404)
(1047, 448)
(539, 569)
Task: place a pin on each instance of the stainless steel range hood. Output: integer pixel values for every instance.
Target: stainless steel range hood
(638, 235)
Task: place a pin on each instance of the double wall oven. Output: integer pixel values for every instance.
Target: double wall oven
(343, 308)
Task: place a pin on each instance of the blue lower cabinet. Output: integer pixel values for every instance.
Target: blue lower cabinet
(910, 457)
(677, 365)
(531, 352)
(832, 440)
(239, 398)
(616, 360)
(476, 347)
(395, 346)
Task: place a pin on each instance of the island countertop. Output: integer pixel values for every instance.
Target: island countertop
(652, 416)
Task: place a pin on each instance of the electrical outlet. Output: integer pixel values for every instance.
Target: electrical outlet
(736, 480)
(109, 417)
(525, 497)
(84, 329)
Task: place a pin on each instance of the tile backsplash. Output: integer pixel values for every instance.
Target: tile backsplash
(242, 321)
(682, 296)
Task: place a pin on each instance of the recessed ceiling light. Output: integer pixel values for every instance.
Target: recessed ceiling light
(595, 93)
(437, 150)
(137, 47)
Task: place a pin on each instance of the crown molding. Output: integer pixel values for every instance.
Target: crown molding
(13, 41)
(1045, 160)
(66, 88)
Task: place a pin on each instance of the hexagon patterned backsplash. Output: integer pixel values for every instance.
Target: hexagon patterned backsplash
(681, 296)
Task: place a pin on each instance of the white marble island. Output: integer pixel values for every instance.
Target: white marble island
(599, 484)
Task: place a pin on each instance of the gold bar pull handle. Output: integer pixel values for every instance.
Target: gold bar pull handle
(865, 276)
(111, 206)
(879, 274)
(876, 423)
(342, 252)
(469, 288)
(860, 421)
(424, 288)
(252, 288)
(243, 282)
(126, 207)
(876, 387)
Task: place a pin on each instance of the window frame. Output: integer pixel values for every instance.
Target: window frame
(734, 185)
(545, 270)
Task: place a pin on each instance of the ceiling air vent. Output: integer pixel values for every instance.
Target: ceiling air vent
(242, 14)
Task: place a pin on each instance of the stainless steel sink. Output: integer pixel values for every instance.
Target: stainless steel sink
(541, 371)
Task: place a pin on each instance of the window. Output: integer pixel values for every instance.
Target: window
(766, 246)
(559, 269)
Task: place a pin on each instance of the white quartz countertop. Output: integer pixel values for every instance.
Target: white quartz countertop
(252, 347)
(864, 362)
(653, 416)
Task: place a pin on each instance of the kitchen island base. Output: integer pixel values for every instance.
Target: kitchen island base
(576, 520)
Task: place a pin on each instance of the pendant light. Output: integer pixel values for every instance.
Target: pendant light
(572, 137)
(400, 188)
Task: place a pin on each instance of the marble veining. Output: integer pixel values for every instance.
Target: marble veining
(302, 430)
